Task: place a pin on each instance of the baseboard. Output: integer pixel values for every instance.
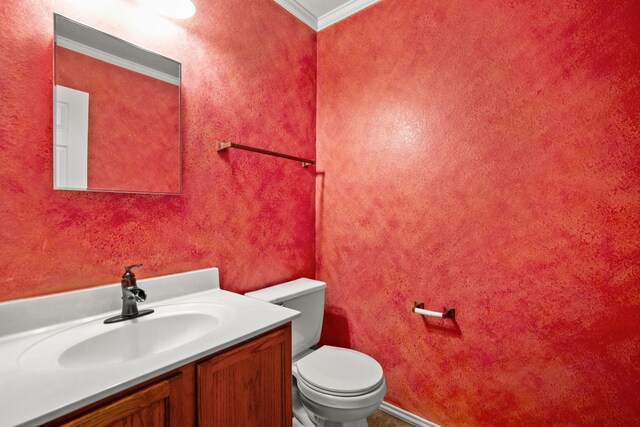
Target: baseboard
(406, 416)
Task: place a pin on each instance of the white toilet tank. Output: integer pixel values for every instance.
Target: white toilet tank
(305, 296)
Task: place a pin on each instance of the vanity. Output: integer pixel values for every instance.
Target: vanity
(205, 357)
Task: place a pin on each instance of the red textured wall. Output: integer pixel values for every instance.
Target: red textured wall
(248, 75)
(133, 122)
(486, 155)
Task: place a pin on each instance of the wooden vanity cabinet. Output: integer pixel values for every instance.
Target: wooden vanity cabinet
(248, 385)
(243, 386)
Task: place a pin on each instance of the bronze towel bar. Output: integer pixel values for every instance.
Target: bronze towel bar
(223, 145)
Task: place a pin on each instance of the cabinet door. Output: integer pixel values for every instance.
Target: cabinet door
(248, 385)
(148, 407)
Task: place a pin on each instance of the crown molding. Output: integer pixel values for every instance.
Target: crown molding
(318, 23)
(115, 60)
(342, 12)
(297, 10)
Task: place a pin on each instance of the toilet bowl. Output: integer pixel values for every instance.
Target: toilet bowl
(332, 386)
(338, 386)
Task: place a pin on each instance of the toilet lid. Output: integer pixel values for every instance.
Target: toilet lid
(340, 370)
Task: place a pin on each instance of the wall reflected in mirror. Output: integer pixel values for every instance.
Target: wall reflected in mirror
(116, 114)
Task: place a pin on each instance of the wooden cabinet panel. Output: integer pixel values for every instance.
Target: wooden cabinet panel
(149, 407)
(248, 385)
(164, 401)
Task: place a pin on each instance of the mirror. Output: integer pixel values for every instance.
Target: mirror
(116, 114)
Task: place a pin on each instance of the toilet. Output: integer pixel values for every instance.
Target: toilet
(332, 386)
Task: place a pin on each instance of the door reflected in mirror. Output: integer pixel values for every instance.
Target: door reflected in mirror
(116, 114)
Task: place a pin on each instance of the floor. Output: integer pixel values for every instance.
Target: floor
(382, 419)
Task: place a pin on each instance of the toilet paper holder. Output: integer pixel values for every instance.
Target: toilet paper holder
(446, 313)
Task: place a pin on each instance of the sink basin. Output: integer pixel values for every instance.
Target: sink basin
(95, 344)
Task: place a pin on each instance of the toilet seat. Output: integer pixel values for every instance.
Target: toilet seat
(339, 372)
(316, 399)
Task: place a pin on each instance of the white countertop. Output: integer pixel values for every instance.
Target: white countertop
(33, 393)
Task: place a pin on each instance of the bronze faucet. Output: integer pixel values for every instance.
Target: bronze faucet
(131, 296)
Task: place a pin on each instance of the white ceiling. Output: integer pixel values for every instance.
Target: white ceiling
(319, 14)
(321, 7)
